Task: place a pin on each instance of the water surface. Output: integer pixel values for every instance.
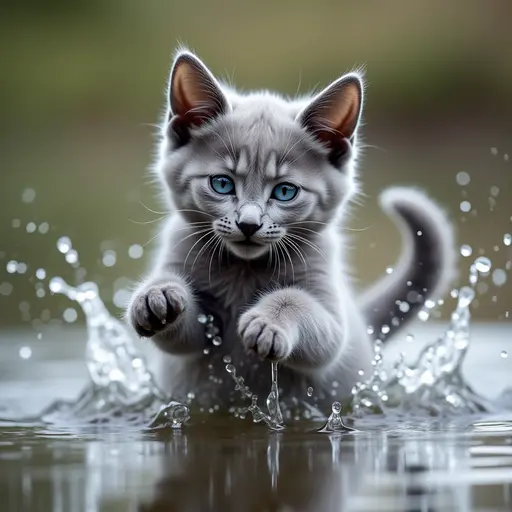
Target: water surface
(217, 462)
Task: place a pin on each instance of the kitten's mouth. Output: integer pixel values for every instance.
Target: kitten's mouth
(247, 243)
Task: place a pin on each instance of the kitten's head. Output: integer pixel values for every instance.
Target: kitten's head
(263, 170)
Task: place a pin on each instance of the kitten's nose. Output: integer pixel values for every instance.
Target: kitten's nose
(248, 228)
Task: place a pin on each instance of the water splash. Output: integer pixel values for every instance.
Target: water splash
(434, 382)
(274, 418)
(121, 385)
(335, 422)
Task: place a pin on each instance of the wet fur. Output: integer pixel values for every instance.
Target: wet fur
(290, 299)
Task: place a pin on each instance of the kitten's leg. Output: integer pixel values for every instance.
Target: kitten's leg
(164, 309)
(292, 325)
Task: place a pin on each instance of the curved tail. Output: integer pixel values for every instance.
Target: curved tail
(426, 268)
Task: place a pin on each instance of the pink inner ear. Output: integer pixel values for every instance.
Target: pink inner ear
(184, 90)
(334, 114)
(342, 111)
(195, 96)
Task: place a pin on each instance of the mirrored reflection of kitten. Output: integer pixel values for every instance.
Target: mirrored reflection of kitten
(258, 186)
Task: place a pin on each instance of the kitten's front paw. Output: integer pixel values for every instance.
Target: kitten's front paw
(261, 334)
(155, 307)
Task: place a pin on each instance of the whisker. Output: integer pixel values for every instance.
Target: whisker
(188, 236)
(144, 223)
(310, 244)
(195, 211)
(153, 211)
(297, 249)
(203, 248)
(287, 252)
(219, 242)
(328, 224)
(195, 243)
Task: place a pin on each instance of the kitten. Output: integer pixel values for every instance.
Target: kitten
(258, 186)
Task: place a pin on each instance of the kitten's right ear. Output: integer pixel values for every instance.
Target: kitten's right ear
(195, 97)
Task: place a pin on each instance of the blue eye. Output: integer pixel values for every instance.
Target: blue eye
(222, 184)
(285, 192)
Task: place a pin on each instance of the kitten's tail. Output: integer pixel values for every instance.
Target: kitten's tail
(426, 268)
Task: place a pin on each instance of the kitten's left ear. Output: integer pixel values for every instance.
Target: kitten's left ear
(195, 96)
(333, 116)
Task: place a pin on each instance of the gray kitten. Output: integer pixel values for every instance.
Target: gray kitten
(258, 186)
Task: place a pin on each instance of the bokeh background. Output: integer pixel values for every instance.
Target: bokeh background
(82, 85)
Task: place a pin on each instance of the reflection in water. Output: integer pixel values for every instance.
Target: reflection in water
(218, 465)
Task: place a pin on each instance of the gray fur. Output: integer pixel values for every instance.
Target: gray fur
(288, 298)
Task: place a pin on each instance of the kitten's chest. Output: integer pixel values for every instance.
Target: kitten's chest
(231, 288)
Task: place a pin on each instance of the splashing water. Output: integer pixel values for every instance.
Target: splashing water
(121, 384)
(335, 422)
(434, 382)
(274, 418)
(121, 388)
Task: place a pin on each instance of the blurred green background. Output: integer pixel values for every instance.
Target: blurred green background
(82, 84)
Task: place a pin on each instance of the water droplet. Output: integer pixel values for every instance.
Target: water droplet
(419, 233)
(109, 258)
(31, 227)
(369, 329)
(64, 244)
(39, 335)
(336, 407)
(121, 298)
(226, 359)
(466, 250)
(310, 391)
(360, 373)
(504, 354)
(41, 273)
(28, 195)
(466, 296)
(72, 257)
(135, 251)
(423, 315)
(16, 223)
(430, 304)
(335, 384)
(6, 289)
(410, 337)
(463, 178)
(494, 151)
(70, 315)
(465, 206)
(44, 228)
(389, 270)
(57, 284)
(483, 264)
(201, 318)
(482, 288)
(230, 368)
(385, 329)
(404, 307)
(217, 341)
(12, 267)
(494, 191)
(25, 352)
(499, 277)
(507, 239)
